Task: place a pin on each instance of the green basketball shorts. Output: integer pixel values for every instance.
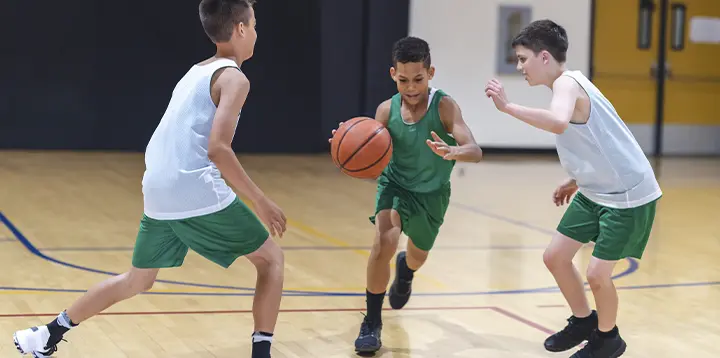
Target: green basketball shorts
(221, 237)
(617, 233)
(421, 214)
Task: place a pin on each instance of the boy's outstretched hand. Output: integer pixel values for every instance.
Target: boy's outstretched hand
(439, 147)
(494, 90)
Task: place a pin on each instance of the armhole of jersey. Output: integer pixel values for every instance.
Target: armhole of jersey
(395, 101)
(436, 99)
(587, 94)
(210, 80)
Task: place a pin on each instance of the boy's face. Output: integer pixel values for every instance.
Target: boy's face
(533, 66)
(246, 36)
(412, 80)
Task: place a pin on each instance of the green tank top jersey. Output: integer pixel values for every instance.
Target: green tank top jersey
(414, 166)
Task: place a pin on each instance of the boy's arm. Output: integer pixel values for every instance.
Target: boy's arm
(555, 120)
(233, 87)
(467, 149)
(382, 114)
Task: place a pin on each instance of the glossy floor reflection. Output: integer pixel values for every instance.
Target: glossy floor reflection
(484, 292)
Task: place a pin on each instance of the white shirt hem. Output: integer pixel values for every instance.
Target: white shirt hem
(625, 204)
(192, 213)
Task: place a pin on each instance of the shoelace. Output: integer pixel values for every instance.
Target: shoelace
(365, 327)
(52, 349)
(571, 327)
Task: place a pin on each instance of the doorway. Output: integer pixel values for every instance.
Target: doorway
(655, 61)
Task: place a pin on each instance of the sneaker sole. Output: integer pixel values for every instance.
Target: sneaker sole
(368, 349)
(562, 349)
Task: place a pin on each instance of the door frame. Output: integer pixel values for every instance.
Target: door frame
(662, 66)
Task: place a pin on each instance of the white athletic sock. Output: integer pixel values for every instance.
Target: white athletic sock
(64, 321)
(262, 337)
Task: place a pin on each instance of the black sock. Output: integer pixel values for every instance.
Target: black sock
(592, 316)
(405, 272)
(611, 334)
(261, 344)
(374, 305)
(60, 325)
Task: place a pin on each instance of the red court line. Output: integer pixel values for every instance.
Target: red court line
(499, 310)
(521, 319)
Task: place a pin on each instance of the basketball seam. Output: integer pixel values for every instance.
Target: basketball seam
(339, 145)
(367, 140)
(373, 164)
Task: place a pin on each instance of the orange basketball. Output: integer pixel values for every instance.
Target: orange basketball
(361, 148)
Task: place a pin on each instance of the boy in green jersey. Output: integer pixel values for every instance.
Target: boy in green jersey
(428, 135)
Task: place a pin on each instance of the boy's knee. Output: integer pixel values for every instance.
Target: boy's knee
(269, 257)
(140, 280)
(599, 274)
(553, 259)
(559, 254)
(386, 243)
(416, 254)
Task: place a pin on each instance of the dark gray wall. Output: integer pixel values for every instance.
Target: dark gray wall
(95, 75)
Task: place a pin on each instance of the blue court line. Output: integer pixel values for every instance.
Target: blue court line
(33, 250)
(319, 248)
(30, 247)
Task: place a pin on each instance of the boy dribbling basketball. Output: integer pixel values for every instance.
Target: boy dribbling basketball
(616, 187)
(428, 136)
(188, 205)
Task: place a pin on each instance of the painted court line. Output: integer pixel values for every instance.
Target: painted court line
(319, 248)
(633, 266)
(6, 290)
(499, 310)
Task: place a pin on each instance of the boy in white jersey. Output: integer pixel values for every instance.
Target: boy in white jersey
(615, 183)
(187, 203)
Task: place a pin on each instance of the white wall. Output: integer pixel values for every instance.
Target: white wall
(463, 41)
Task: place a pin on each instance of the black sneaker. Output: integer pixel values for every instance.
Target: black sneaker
(599, 347)
(369, 340)
(400, 289)
(576, 331)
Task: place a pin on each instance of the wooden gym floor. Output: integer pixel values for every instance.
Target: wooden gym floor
(70, 220)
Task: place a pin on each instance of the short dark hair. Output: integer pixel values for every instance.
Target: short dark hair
(411, 49)
(544, 35)
(219, 17)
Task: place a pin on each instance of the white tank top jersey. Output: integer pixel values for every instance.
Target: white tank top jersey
(180, 181)
(603, 156)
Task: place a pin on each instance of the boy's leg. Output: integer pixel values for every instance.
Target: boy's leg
(233, 232)
(387, 233)
(558, 259)
(390, 209)
(422, 227)
(156, 247)
(578, 226)
(623, 233)
(270, 265)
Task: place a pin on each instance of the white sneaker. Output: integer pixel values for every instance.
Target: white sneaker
(34, 341)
